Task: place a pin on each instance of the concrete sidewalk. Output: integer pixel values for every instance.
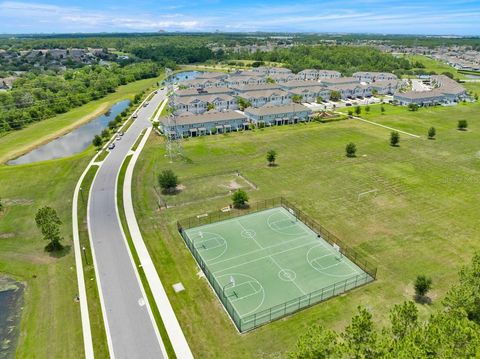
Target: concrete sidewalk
(175, 333)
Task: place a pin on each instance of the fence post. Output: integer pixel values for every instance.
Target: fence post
(255, 320)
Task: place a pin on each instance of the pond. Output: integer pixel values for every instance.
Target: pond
(472, 76)
(183, 76)
(73, 142)
(11, 300)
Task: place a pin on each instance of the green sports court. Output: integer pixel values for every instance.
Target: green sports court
(269, 263)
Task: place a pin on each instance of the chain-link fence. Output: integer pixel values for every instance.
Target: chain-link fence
(257, 319)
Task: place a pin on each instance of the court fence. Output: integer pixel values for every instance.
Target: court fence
(260, 318)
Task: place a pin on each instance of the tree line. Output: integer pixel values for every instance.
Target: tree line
(36, 97)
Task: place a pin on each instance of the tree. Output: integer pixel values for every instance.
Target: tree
(404, 319)
(105, 133)
(97, 141)
(317, 343)
(335, 95)
(360, 337)
(422, 285)
(350, 113)
(413, 107)
(270, 80)
(239, 198)
(431, 133)
(367, 109)
(297, 98)
(351, 149)
(462, 125)
(394, 138)
(271, 157)
(358, 110)
(242, 103)
(168, 181)
(382, 109)
(49, 224)
(210, 106)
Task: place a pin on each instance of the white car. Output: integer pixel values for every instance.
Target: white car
(111, 146)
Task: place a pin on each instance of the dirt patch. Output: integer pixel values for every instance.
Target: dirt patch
(232, 185)
(6, 235)
(180, 187)
(17, 201)
(36, 258)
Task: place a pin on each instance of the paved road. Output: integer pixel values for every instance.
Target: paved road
(131, 329)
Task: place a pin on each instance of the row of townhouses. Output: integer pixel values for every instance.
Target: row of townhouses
(222, 91)
(444, 91)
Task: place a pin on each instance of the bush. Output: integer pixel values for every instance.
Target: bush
(462, 125)
(168, 181)
(105, 133)
(394, 138)
(358, 110)
(422, 286)
(351, 150)
(271, 157)
(97, 141)
(240, 199)
(213, 131)
(431, 133)
(413, 107)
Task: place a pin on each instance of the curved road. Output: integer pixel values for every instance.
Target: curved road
(130, 326)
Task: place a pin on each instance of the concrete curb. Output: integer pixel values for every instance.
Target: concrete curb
(175, 333)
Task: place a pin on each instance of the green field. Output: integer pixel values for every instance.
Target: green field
(434, 65)
(269, 264)
(422, 220)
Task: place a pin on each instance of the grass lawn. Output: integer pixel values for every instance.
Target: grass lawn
(423, 220)
(434, 65)
(17, 143)
(50, 326)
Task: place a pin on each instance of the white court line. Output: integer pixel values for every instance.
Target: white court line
(264, 257)
(273, 259)
(255, 292)
(258, 250)
(251, 237)
(293, 281)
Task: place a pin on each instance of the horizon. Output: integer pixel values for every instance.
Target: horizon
(408, 18)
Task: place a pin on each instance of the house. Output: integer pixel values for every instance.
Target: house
(312, 74)
(203, 83)
(387, 87)
(446, 91)
(221, 90)
(278, 115)
(264, 97)
(201, 104)
(352, 90)
(278, 70)
(338, 81)
(374, 76)
(248, 88)
(203, 124)
(311, 93)
(282, 78)
(212, 76)
(299, 83)
(244, 80)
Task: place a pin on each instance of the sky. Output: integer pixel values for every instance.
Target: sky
(438, 17)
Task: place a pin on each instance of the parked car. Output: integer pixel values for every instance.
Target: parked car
(118, 138)
(145, 104)
(120, 133)
(111, 146)
(135, 115)
(348, 104)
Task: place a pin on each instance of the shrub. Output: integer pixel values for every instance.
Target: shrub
(271, 157)
(431, 133)
(462, 125)
(240, 199)
(422, 286)
(97, 141)
(168, 181)
(394, 138)
(351, 149)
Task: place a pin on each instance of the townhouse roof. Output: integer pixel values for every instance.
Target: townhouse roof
(373, 73)
(340, 80)
(207, 98)
(263, 93)
(256, 87)
(209, 116)
(300, 83)
(276, 110)
(203, 91)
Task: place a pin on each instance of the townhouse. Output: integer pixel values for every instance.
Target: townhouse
(352, 90)
(278, 115)
(203, 83)
(315, 75)
(338, 81)
(221, 90)
(374, 76)
(244, 80)
(191, 125)
(311, 93)
(264, 97)
(201, 104)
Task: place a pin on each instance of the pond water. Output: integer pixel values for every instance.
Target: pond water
(472, 76)
(73, 142)
(183, 76)
(11, 300)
